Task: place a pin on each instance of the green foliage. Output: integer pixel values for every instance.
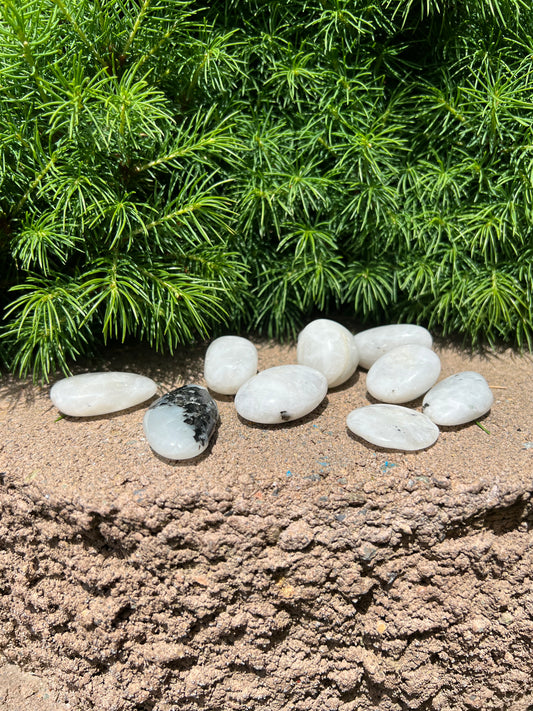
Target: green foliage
(169, 169)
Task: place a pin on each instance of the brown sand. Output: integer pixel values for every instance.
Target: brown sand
(290, 567)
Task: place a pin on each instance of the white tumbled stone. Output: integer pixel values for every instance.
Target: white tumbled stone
(180, 424)
(330, 348)
(393, 427)
(403, 374)
(229, 362)
(280, 394)
(375, 342)
(461, 398)
(91, 394)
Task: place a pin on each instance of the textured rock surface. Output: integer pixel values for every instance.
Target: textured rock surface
(292, 568)
(24, 691)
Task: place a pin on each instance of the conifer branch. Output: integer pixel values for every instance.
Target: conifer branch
(166, 169)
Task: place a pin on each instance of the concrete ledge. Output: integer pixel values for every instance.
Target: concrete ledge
(292, 567)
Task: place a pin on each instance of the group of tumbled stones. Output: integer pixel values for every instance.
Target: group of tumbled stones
(401, 368)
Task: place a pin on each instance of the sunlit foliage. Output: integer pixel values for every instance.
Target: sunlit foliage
(169, 169)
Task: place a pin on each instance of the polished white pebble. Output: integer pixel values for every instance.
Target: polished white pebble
(403, 374)
(393, 427)
(461, 398)
(229, 362)
(91, 394)
(330, 348)
(280, 394)
(180, 424)
(375, 342)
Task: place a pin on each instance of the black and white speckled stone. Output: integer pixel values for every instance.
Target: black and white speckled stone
(180, 424)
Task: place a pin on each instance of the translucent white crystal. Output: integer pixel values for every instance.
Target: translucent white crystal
(229, 362)
(280, 394)
(393, 427)
(330, 348)
(403, 374)
(461, 398)
(180, 424)
(91, 394)
(375, 342)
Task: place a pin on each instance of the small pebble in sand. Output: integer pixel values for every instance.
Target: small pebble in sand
(330, 348)
(180, 424)
(229, 362)
(461, 398)
(403, 374)
(393, 427)
(280, 394)
(375, 342)
(92, 394)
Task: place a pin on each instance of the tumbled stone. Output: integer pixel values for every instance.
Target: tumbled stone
(180, 424)
(280, 394)
(229, 362)
(461, 398)
(330, 348)
(403, 374)
(375, 342)
(393, 427)
(92, 394)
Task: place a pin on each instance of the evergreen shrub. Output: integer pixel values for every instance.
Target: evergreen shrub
(171, 168)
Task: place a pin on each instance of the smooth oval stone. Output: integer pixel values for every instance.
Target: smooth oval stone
(91, 394)
(229, 362)
(375, 342)
(180, 424)
(329, 348)
(461, 398)
(393, 427)
(403, 374)
(280, 394)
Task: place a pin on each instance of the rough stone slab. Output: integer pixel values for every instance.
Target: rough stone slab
(290, 567)
(24, 691)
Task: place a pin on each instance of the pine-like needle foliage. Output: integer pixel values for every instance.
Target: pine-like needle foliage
(168, 168)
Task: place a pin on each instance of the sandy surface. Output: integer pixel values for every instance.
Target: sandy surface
(23, 691)
(106, 460)
(105, 465)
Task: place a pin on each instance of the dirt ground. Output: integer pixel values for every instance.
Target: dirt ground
(290, 567)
